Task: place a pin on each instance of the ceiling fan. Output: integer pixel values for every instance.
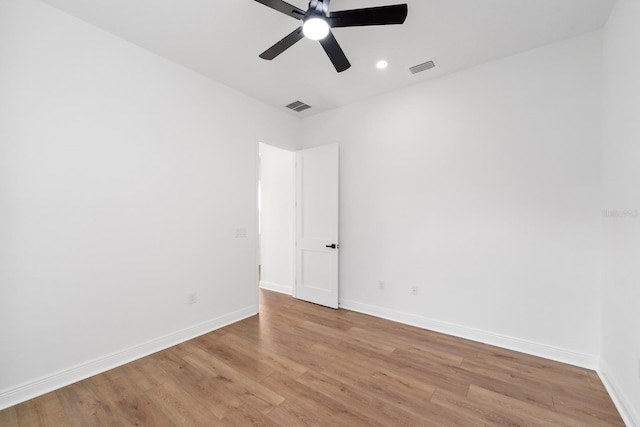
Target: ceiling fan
(317, 22)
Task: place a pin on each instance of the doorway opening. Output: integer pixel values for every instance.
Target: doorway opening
(276, 218)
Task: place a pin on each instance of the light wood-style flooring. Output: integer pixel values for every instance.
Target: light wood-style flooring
(301, 364)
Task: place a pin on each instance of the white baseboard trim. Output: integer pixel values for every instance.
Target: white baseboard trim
(270, 286)
(588, 361)
(48, 383)
(629, 415)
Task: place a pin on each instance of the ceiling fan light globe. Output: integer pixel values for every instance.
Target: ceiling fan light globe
(315, 28)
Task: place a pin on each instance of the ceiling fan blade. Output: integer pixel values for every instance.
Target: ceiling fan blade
(284, 44)
(335, 53)
(383, 15)
(284, 7)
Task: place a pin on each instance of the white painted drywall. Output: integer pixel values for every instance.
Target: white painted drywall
(277, 218)
(621, 278)
(123, 179)
(482, 189)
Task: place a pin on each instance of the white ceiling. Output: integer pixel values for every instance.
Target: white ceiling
(222, 39)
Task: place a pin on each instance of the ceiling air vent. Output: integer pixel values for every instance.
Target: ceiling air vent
(422, 67)
(298, 106)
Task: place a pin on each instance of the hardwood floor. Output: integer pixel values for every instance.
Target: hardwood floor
(301, 364)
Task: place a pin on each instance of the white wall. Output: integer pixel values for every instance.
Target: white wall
(123, 178)
(483, 189)
(277, 218)
(621, 279)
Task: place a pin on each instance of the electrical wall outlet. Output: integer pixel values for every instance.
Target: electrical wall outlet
(381, 284)
(193, 298)
(414, 290)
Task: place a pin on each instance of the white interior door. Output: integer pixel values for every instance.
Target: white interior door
(317, 250)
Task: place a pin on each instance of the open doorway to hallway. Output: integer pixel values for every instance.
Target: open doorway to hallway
(276, 195)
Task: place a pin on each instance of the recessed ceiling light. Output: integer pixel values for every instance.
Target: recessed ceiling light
(382, 64)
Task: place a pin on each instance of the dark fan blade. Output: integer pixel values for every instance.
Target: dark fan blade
(336, 55)
(283, 7)
(383, 15)
(284, 44)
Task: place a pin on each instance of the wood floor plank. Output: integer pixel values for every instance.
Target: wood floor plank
(295, 347)
(9, 417)
(45, 411)
(363, 404)
(131, 407)
(464, 412)
(537, 368)
(376, 372)
(593, 412)
(81, 405)
(27, 412)
(252, 392)
(290, 413)
(549, 382)
(273, 360)
(319, 316)
(416, 342)
(388, 326)
(142, 374)
(300, 364)
(519, 412)
(188, 347)
(363, 379)
(325, 410)
(507, 383)
(211, 391)
(246, 415)
(180, 407)
(237, 360)
(433, 355)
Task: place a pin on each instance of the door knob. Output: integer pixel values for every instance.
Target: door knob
(332, 246)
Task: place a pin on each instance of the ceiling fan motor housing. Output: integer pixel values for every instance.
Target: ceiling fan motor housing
(319, 7)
